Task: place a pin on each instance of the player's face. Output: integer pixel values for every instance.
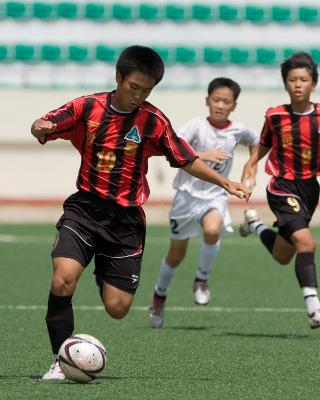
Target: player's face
(132, 90)
(220, 102)
(299, 85)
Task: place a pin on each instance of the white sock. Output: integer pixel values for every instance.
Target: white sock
(166, 275)
(310, 295)
(257, 227)
(208, 253)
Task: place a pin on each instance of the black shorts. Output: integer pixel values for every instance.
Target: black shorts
(293, 203)
(112, 234)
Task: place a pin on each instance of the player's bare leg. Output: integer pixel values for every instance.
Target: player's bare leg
(117, 302)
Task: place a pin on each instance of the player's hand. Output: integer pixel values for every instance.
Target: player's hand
(216, 156)
(239, 190)
(40, 128)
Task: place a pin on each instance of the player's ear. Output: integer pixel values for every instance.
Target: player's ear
(207, 101)
(234, 106)
(118, 77)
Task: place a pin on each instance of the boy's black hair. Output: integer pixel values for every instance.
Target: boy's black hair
(299, 60)
(141, 59)
(224, 82)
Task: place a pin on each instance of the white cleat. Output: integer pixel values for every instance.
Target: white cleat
(250, 216)
(54, 373)
(201, 293)
(314, 319)
(156, 313)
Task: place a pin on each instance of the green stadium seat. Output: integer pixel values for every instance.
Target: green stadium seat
(16, 9)
(25, 53)
(229, 13)
(288, 51)
(43, 10)
(186, 55)
(282, 14)
(239, 55)
(309, 14)
(166, 53)
(96, 11)
(213, 55)
(122, 12)
(202, 12)
(150, 12)
(51, 53)
(106, 53)
(256, 14)
(4, 53)
(176, 12)
(266, 56)
(79, 53)
(315, 53)
(68, 10)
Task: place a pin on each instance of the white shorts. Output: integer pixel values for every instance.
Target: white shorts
(187, 212)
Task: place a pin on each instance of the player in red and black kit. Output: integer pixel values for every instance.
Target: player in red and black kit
(115, 133)
(290, 137)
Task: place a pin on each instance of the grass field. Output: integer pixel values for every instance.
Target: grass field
(251, 342)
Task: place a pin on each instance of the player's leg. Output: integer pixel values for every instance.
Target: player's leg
(305, 269)
(168, 269)
(211, 225)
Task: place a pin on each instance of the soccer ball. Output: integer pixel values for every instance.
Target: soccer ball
(82, 357)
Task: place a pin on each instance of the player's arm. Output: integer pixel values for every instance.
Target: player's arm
(250, 168)
(249, 177)
(213, 155)
(200, 170)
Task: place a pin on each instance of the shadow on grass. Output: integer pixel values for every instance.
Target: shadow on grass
(264, 335)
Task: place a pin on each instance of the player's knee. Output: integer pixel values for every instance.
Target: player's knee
(211, 236)
(116, 308)
(282, 259)
(173, 260)
(62, 285)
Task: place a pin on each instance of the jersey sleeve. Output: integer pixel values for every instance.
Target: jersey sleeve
(67, 118)
(189, 131)
(266, 133)
(176, 149)
(248, 137)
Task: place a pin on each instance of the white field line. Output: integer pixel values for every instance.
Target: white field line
(151, 240)
(168, 308)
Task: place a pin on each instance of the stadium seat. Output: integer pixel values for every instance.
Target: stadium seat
(239, 55)
(96, 11)
(51, 53)
(150, 12)
(4, 53)
(213, 55)
(79, 53)
(25, 53)
(186, 55)
(122, 11)
(106, 53)
(202, 12)
(288, 51)
(309, 14)
(166, 53)
(68, 10)
(256, 14)
(176, 12)
(315, 53)
(229, 13)
(43, 10)
(266, 55)
(282, 14)
(16, 9)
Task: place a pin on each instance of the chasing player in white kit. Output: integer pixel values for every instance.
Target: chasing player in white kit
(199, 205)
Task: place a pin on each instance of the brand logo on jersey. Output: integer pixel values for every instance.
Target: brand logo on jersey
(91, 131)
(92, 124)
(133, 135)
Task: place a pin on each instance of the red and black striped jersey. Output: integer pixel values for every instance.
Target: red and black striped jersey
(115, 147)
(294, 142)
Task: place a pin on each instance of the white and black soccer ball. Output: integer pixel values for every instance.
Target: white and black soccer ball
(82, 357)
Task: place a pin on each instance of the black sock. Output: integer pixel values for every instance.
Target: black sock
(59, 320)
(268, 237)
(306, 270)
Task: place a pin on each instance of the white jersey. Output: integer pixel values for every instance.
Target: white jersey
(203, 136)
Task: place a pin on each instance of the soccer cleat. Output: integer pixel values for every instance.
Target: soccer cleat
(201, 292)
(156, 311)
(250, 216)
(314, 319)
(54, 373)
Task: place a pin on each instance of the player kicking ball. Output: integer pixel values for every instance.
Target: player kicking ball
(199, 206)
(115, 133)
(290, 137)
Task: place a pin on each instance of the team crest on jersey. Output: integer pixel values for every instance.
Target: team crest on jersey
(133, 135)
